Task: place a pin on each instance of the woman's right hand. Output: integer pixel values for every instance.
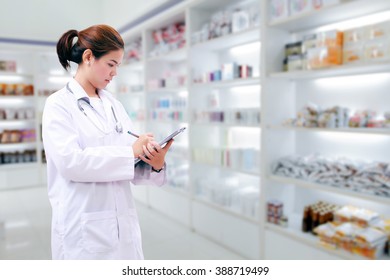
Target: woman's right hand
(143, 140)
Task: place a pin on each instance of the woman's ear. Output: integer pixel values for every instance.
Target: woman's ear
(87, 56)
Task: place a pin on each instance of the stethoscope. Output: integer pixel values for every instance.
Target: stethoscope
(118, 125)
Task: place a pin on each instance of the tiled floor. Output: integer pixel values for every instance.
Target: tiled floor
(25, 231)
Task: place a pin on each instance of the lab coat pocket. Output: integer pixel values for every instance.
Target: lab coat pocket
(99, 231)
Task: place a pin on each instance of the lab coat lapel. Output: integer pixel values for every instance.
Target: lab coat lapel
(107, 104)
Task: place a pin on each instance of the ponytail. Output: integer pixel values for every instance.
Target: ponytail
(66, 51)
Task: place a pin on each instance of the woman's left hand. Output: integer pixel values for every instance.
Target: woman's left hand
(154, 154)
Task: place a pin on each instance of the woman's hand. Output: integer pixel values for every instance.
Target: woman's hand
(143, 140)
(154, 154)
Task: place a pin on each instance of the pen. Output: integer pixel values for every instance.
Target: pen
(131, 133)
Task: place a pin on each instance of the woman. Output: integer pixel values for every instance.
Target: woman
(90, 156)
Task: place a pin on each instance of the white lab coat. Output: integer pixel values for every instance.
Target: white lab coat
(89, 174)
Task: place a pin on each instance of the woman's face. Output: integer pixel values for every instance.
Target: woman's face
(105, 68)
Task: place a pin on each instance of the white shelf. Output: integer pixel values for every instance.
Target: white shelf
(331, 14)
(225, 125)
(133, 66)
(360, 130)
(24, 97)
(176, 190)
(173, 122)
(62, 74)
(166, 90)
(230, 41)
(225, 210)
(15, 166)
(229, 83)
(239, 170)
(15, 74)
(122, 94)
(172, 154)
(16, 121)
(172, 56)
(337, 71)
(17, 146)
(329, 189)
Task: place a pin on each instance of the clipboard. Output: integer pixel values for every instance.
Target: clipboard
(164, 141)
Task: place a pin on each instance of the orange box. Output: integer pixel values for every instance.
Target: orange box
(333, 38)
(324, 57)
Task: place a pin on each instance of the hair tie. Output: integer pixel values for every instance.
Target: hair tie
(75, 39)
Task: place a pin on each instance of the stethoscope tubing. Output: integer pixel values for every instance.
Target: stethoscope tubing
(118, 125)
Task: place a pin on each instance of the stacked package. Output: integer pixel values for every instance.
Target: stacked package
(356, 230)
(311, 115)
(315, 51)
(367, 43)
(371, 178)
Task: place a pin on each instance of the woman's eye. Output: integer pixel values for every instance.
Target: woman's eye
(110, 64)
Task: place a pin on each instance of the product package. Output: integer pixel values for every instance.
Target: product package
(369, 242)
(353, 53)
(230, 71)
(354, 35)
(279, 9)
(300, 6)
(240, 20)
(324, 57)
(376, 50)
(326, 233)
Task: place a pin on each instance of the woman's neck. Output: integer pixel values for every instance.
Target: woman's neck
(87, 86)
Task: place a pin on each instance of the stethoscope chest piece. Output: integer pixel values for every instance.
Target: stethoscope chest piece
(118, 127)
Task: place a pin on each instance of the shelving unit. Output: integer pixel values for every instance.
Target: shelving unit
(166, 97)
(18, 150)
(357, 86)
(222, 145)
(173, 104)
(38, 67)
(347, 9)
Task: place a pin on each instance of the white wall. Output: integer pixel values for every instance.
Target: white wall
(47, 19)
(120, 12)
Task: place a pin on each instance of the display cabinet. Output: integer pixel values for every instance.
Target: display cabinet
(130, 90)
(262, 134)
(222, 115)
(166, 96)
(130, 82)
(18, 145)
(27, 78)
(299, 128)
(224, 99)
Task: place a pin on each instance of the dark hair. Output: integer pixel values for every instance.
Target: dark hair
(100, 39)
